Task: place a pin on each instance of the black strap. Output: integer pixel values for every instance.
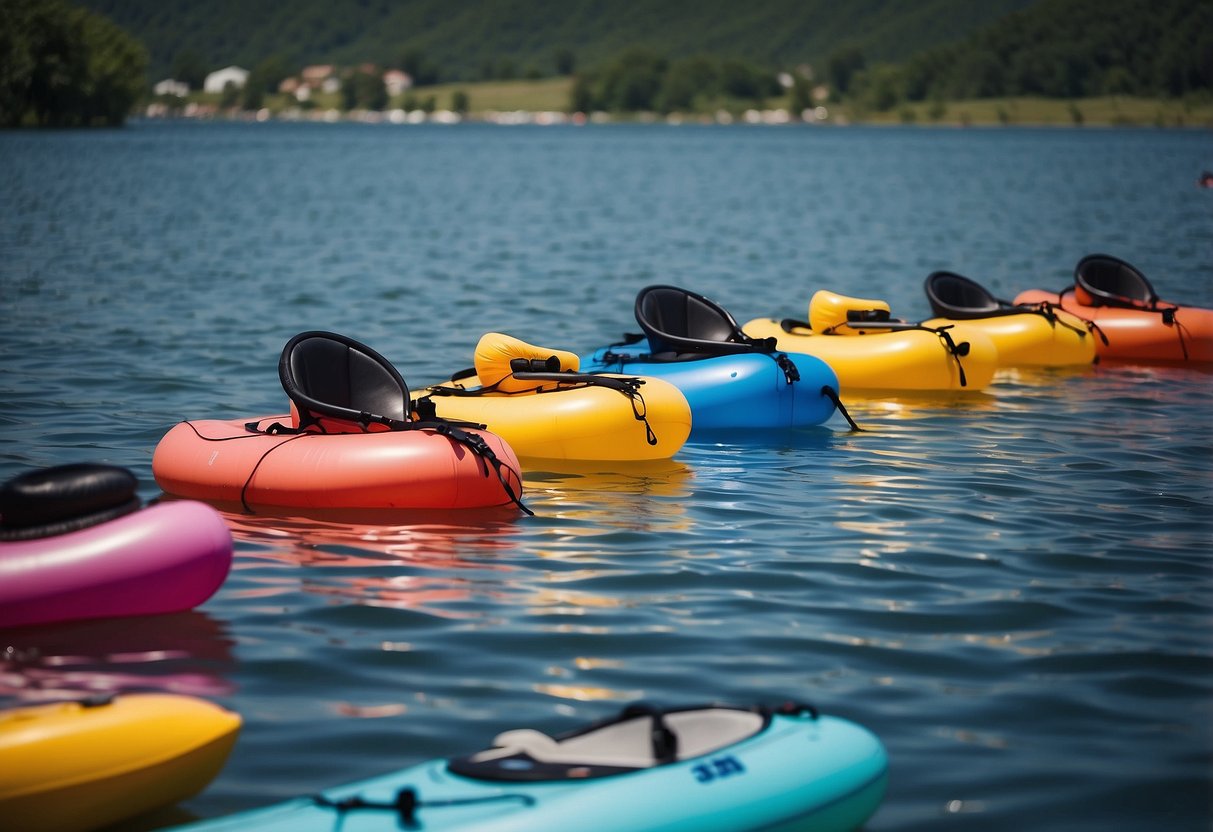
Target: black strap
(956, 351)
(790, 372)
(832, 394)
(664, 742)
(629, 387)
(407, 803)
(452, 429)
(476, 444)
(1179, 330)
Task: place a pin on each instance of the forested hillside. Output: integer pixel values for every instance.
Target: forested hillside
(1074, 49)
(476, 39)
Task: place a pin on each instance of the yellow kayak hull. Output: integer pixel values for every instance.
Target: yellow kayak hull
(1030, 340)
(578, 423)
(72, 766)
(900, 360)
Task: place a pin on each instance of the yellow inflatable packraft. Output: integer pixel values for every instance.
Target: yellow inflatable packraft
(533, 398)
(870, 351)
(73, 766)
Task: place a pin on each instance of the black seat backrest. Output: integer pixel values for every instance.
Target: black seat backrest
(1109, 281)
(678, 321)
(955, 296)
(331, 376)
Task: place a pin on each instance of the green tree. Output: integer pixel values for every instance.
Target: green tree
(880, 87)
(801, 94)
(741, 80)
(65, 67)
(459, 102)
(688, 81)
(581, 98)
(842, 66)
(632, 81)
(253, 94)
(190, 68)
(565, 61)
(364, 91)
(231, 96)
(264, 78)
(423, 71)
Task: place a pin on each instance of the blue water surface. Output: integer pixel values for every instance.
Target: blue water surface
(1012, 588)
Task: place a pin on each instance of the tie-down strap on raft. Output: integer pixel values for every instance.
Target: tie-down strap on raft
(456, 431)
(541, 379)
(878, 320)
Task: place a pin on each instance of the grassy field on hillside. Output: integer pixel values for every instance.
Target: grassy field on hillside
(1092, 112)
(542, 95)
(553, 94)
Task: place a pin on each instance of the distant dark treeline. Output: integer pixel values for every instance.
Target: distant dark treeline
(1067, 49)
(1055, 49)
(642, 80)
(477, 40)
(62, 66)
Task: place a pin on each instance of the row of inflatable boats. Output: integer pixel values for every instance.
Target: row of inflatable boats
(355, 425)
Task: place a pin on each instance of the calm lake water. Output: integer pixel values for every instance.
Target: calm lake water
(1011, 588)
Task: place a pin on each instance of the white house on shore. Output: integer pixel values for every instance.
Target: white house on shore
(170, 86)
(220, 78)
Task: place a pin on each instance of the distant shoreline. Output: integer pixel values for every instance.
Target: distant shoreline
(545, 101)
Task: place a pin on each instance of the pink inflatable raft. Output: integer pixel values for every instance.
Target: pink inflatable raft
(75, 544)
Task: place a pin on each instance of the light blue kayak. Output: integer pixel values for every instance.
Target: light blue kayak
(716, 768)
(730, 381)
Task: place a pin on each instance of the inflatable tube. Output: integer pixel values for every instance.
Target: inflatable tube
(226, 461)
(1170, 333)
(165, 558)
(906, 360)
(871, 351)
(1041, 335)
(1028, 339)
(710, 769)
(75, 766)
(741, 391)
(536, 399)
(1131, 320)
(585, 423)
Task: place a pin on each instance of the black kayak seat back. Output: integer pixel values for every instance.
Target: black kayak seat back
(329, 375)
(955, 296)
(679, 321)
(1104, 280)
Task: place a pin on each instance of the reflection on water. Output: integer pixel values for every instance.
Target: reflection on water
(181, 653)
